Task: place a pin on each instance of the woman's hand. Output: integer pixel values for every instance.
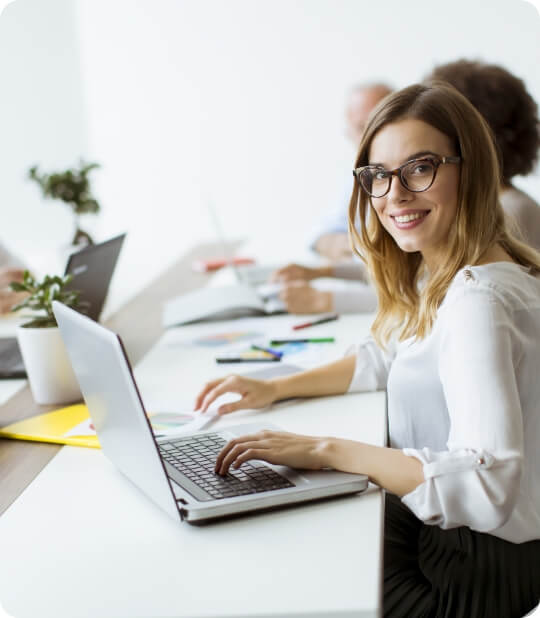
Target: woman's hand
(254, 393)
(295, 272)
(275, 447)
(300, 297)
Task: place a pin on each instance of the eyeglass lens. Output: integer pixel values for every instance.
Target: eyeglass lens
(415, 176)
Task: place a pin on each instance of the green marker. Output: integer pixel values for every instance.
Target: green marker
(313, 340)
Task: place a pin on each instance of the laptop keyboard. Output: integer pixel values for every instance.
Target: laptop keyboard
(194, 458)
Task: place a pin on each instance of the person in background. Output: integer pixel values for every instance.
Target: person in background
(512, 115)
(11, 269)
(456, 345)
(330, 239)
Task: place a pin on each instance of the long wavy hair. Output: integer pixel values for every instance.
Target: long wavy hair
(409, 296)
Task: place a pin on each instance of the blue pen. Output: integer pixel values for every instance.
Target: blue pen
(274, 353)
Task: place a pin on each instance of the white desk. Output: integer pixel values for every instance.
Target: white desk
(82, 541)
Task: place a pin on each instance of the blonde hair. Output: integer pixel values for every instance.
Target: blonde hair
(480, 221)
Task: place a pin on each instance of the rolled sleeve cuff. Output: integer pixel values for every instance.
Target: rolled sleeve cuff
(465, 488)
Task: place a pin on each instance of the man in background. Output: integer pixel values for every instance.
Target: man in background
(330, 238)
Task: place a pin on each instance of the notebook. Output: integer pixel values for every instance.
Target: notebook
(72, 425)
(69, 425)
(92, 269)
(177, 473)
(252, 295)
(220, 303)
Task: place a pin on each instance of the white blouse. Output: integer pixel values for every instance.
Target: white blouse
(465, 401)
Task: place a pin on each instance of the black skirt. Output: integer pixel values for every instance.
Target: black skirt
(457, 573)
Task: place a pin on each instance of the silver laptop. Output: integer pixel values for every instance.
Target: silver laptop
(177, 473)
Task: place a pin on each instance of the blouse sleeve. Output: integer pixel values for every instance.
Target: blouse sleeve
(476, 481)
(372, 365)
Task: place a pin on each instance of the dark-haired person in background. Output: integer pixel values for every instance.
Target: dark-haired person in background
(512, 115)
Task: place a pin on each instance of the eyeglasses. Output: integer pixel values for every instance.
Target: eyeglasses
(416, 175)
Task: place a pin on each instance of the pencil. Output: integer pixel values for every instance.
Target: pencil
(314, 340)
(328, 318)
(237, 359)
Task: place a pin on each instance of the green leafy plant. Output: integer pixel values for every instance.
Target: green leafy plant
(72, 187)
(40, 297)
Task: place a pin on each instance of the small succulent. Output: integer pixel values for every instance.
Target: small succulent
(40, 297)
(72, 187)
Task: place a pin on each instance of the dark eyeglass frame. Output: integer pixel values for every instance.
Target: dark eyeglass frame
(435, 160)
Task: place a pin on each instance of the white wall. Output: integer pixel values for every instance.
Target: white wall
(239, 102)
(41, 118)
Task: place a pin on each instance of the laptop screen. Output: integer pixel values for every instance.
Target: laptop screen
(92, 269)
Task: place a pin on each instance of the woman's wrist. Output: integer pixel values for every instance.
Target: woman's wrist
(288, 387)
(387, 467)
(278, 389)
(337, 454)
(331, 379)
(326, 448)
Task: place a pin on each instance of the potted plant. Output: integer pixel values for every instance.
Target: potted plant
(49, 371)
(72, 187)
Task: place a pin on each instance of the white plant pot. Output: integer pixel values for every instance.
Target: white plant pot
(48, 367)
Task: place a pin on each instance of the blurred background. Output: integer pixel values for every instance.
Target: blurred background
(238, 103)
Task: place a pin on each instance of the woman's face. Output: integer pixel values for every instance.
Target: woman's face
(416, 221)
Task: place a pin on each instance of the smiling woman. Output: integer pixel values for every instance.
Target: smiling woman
(454, 221)
(456, 344)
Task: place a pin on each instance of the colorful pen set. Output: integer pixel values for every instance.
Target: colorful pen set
(273, 355)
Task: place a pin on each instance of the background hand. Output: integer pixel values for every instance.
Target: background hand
(275, 447)
(7, 275)
(300, 297)
(295, 272)
(8, 299)
(254, 393)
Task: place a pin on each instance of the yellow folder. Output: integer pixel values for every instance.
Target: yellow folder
(56, 426)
